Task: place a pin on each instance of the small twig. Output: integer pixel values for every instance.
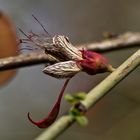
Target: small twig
(25, 60)
(120, 42)
(94, 96)
(126, 40)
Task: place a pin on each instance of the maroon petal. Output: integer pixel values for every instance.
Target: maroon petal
(93, 63)
(46, 122)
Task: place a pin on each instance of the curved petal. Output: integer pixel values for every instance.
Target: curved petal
(46, 122)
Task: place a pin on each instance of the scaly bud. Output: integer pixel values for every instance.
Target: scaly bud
(63, 49)
(65, 69)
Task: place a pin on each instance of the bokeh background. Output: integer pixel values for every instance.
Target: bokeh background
(117, 115)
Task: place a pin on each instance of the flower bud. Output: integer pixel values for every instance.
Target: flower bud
(93, 63)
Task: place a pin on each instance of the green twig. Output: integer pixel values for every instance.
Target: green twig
(93, 96)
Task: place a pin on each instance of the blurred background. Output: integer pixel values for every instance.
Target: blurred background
(117, 115)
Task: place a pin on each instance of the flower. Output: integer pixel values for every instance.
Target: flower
(71, 61)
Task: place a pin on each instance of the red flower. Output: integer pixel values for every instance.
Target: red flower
(71, 61)
(92, 63)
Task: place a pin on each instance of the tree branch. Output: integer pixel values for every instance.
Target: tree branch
(93, 96)
(126, 40)
(26, 60)
(119, 42)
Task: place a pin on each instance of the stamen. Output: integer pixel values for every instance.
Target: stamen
(41, 25)
(28, 37)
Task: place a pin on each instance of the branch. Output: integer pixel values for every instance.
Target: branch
(93, 96)
(119, 42)
(26, 60)
(126, 40)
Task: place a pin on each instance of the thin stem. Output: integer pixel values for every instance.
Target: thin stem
(93, 96)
